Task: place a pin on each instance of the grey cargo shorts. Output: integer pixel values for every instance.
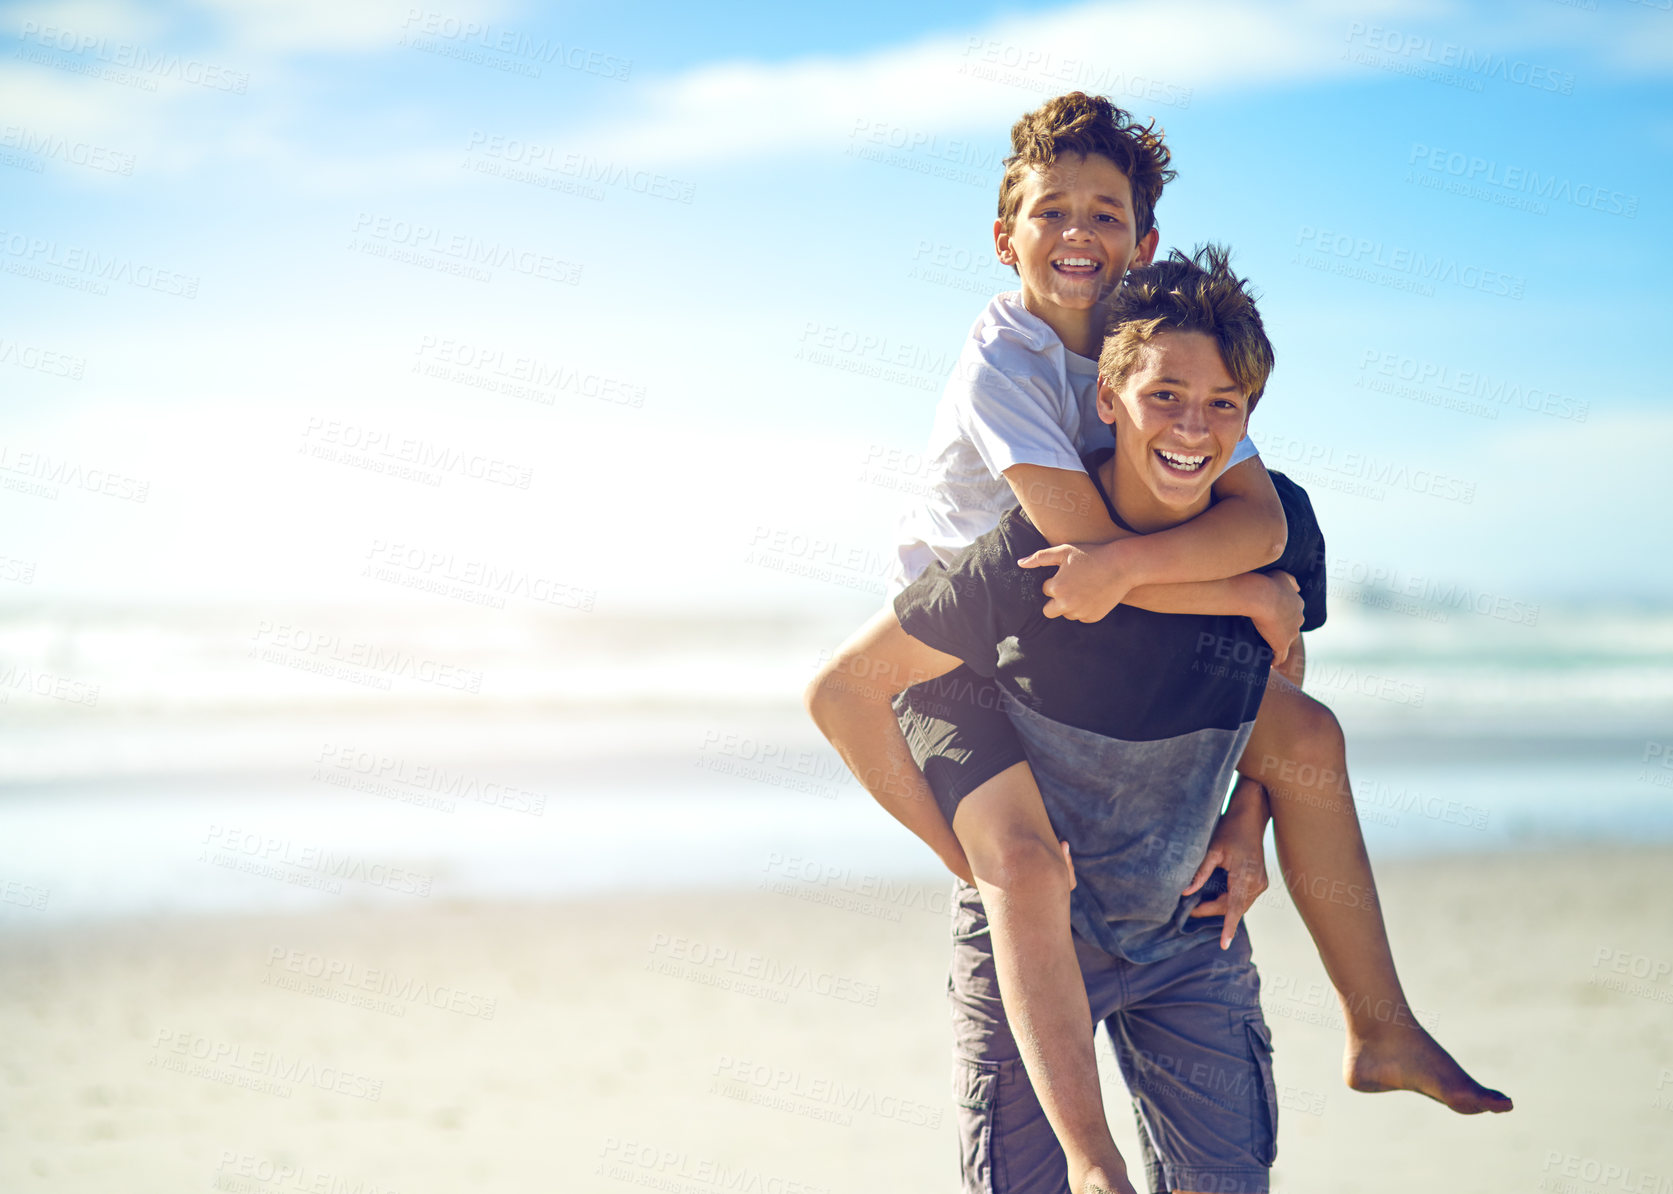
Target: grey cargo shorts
(1192, 1045)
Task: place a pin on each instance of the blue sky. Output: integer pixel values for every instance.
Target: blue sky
(741, 249)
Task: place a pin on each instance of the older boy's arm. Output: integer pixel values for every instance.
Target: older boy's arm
(850, 701)
(1064, 505)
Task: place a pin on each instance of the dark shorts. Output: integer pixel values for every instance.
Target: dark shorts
(958, 733)
(1193, 1049)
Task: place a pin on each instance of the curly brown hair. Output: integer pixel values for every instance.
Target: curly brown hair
(1078, 123)
(1198, 293)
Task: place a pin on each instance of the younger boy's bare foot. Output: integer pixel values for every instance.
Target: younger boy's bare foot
(1405, 1057)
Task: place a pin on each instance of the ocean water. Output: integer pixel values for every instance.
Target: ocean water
(169, 762)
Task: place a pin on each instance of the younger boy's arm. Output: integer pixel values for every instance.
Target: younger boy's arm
(1213, 555)
(1243, 530)
(850, 701)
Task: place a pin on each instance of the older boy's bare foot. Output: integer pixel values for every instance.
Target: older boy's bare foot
(1408, 1058)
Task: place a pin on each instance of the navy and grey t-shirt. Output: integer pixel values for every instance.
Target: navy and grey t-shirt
(1133, 724)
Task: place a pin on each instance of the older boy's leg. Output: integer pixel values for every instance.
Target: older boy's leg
(1298, 753)
(1024, 883)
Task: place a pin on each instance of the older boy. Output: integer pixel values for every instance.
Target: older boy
(1132, 742)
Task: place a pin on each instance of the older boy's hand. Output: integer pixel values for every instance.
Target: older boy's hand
(1237, 846)
(1087, 585)
(1279, 614)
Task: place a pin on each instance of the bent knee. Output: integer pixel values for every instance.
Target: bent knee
(1309, 731)
(1018, 860)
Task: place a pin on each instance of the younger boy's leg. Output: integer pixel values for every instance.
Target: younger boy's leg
(1024, 882)
(1007, 1144)
(1297, 751)
(974, 763)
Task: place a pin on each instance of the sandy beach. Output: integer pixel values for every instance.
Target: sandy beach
(788, 1040)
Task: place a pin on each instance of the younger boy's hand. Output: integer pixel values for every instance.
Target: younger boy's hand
(1279, 617)
(1086, 586)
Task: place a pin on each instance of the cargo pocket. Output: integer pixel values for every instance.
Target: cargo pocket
(1264, 1135)
(975, 1084)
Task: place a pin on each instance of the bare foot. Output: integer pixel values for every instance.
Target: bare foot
(1408, 1058)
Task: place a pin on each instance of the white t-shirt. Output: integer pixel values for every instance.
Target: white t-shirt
(1016, 396)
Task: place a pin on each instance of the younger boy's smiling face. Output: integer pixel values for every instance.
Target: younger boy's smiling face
(1073, 239)
(1177, 417)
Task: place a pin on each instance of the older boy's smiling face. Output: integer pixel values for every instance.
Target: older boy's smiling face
(1073, 239)
(1177, 417)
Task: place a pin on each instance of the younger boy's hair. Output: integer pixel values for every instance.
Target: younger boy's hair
(1078, 123)
(1198, 293)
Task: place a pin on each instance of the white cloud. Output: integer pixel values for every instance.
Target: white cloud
(1148, 54)
(279, 26)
